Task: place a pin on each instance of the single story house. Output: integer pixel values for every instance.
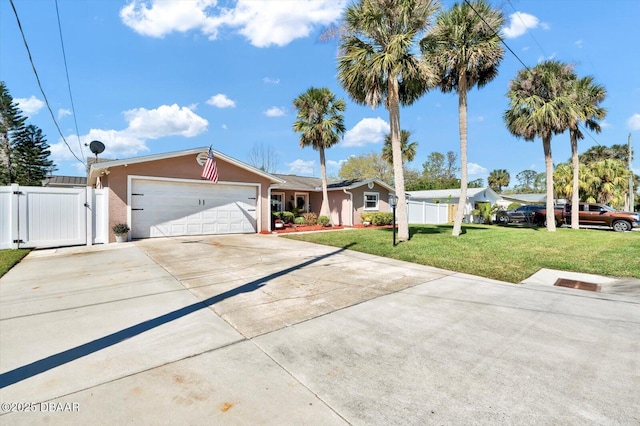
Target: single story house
(163, 195)
(348, 199)
(451, 197)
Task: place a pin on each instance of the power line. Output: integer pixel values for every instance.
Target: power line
(26, 45)
(584, 129)
(66, 69)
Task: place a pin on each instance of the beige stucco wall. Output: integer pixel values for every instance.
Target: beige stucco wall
(183, 167)
(358, 201)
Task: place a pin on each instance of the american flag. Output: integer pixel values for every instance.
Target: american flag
(210, 170)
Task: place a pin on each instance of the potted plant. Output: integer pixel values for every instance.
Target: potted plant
(279, 223)
(120, 230)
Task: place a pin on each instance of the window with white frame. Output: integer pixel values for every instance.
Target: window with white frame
(277, 201)
(371, 200)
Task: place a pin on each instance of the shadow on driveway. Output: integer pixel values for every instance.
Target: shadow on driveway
(37, 367)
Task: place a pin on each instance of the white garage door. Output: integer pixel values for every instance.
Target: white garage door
(162, 208)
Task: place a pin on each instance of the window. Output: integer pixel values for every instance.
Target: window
(371, 200)
(277, 202)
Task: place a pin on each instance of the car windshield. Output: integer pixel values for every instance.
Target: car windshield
(611, 209)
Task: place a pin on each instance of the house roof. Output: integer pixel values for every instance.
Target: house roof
(448, 193)
(304, 183)
(72, 181)
(526, 198)
(97, 169)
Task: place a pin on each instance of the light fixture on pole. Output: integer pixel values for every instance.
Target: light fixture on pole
(393, 202)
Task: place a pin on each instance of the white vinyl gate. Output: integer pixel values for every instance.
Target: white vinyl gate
(427, 213)
(34, 216)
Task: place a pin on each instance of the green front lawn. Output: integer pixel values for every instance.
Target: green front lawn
(502, 253)
(8, 258)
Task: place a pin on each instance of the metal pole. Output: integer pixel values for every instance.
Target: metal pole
(394, 225)
(631, 194)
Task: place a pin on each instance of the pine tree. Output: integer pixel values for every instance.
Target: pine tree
(31, 156)
(11, 122)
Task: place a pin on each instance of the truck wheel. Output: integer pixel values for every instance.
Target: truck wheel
(621, 226)
(503, 219)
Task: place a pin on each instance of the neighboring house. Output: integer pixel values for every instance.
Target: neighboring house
(475, 196)
(348, 199)
(164, 195)
(65, 181)
(537, 198)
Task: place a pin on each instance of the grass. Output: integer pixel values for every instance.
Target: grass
(502, 253)
(8, 258)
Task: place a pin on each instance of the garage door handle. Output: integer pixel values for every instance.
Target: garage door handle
(251, 210)
(137, 209)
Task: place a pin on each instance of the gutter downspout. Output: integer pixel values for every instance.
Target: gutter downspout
(350, 204)
(270, 213)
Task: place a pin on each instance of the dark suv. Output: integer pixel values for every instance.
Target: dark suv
(519, 214)
(594, 214)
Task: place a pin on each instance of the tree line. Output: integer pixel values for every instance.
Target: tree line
(392, 52)
(24, 151)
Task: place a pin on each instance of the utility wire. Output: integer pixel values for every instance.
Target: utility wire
(53, 117)
(66, 69)
(584, 129)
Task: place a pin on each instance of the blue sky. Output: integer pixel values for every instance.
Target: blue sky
(150, 77)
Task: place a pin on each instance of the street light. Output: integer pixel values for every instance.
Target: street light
(393, 202)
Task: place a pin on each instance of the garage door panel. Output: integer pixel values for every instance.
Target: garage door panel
(166, 208)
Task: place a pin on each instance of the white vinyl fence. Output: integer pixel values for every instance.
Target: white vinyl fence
(427, 213)
(36, 216)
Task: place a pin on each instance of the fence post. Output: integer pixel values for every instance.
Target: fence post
(14, 233)
(89, 211)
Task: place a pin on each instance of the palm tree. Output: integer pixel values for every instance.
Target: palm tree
(466, 51)
(408, 148)
(540, 105)
(587, 95)
(608, 182)
(498, 179)
(377, 65)
(321, 124)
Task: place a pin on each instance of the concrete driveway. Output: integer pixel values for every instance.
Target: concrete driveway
(254, 329)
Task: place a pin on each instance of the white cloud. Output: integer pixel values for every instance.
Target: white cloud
(274, 112)
(62, 112)
(271, 80)
(143, 125)
(263, 23)
(634, 122)
(30, 106)
(335, 165)
(224, 127)
(476, 169)
(164, 17)
(301, 167)
(367, 131)
(221, 101)
(578, 44)
(519, 23)
(166, 120)
(605, 124)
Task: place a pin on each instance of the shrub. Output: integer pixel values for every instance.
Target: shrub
(310, 219)
(120, 228)
(377, 218)
(323, 220)
(288, 217)
(299, 220)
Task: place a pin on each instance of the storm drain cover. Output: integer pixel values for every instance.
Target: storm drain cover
(580, 285)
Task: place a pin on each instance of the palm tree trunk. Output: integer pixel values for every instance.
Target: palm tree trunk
(462, 123)
(548, 161)
(324, 207)
(393, 105)
(575, 194)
